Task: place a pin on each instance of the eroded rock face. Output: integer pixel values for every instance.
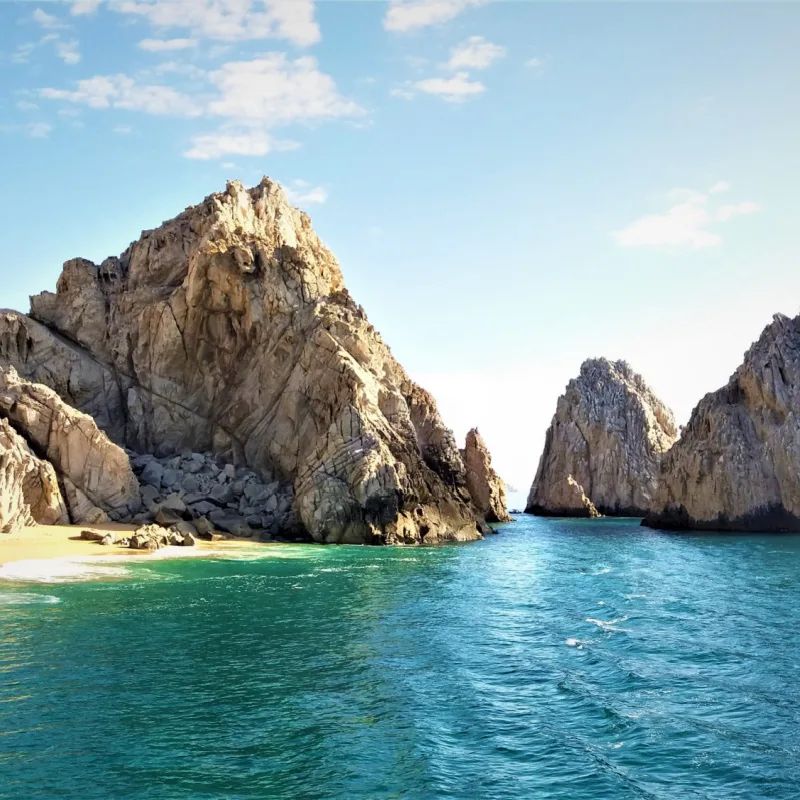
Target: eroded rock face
(98, 481)
(604, 445)
(485, 486)
(737, 463)
(229, 330)
(29, 491)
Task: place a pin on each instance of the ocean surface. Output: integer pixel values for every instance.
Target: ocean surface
(559, 659)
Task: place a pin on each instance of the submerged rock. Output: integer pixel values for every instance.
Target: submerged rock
(485, 486)
(229, 330)
(604, 447)
(737, 463)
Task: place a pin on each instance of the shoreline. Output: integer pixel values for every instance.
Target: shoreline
(44, 542)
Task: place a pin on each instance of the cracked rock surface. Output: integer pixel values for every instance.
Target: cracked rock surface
(737, 463)
(604, 447)
(486, 487)
(228, 330)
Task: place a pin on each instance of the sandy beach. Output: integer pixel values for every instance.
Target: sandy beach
(59, 541)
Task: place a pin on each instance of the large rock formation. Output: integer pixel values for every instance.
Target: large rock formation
(737, 463)
(229, 330)
(604, 447)
(96, 476)
(485, 486)
(29, 491)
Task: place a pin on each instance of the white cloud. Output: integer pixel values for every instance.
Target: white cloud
(39, 130)
(274, 90)
(85, 6)
(409, 15)
(121, 91)
(26, 105)
(210, 146)
(249, 97)
(728, 212)
(47, 21)
(403, 92)
(23, 53)
(453, 90)
(301, 193)
(533, 63)
(160, 45)
(68, 52)
(123, 130)
(686, 223)
(475, 53)
(230, 20)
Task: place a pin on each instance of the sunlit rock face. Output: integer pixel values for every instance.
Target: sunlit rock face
(229, 330)
(604, 447)
(737, 463)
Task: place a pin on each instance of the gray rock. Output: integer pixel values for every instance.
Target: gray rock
(174, 503)
(149, 494)
(185, 528)
(171, 478)
(237, 488)
(190, 484)
(93, 536)
(203, 526)
(152, 474)
(165, 516)
(271, 504)
(221, 494)
(203, 508)
(232, 523)
(256, 493)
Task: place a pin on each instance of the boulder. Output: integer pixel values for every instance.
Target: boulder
(29, 491)
(96, 473)
(229, 329)
(232, 523)
(606, 443)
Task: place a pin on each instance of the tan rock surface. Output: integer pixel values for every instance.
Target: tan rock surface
(487, 489)
(737, 463)
(609, 435)
(29, 491)
(97, 477)
(229, 330)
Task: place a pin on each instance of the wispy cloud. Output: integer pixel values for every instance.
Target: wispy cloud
(301, 193)
(228, 20)
(687, 223)
(409, 15)
(47, 21)
(453, 90)
(475, 53)
(161, 45)
(68, 52)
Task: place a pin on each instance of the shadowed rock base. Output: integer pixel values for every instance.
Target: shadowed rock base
(770, 519)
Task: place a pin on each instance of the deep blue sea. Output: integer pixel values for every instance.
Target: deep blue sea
(559, 659)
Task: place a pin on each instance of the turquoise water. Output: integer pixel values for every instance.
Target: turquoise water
(560, 659)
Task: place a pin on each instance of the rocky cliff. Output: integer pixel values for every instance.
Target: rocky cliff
(737, 463)
(59, 467)
(604, 447)
(229, 330)
(487, 489)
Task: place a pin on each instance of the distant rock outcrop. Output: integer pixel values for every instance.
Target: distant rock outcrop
(737, 463)
(228, 330)
(604, 447)
(96, 476)
(485, 486)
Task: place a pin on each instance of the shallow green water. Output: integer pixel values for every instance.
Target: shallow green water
(560, 659)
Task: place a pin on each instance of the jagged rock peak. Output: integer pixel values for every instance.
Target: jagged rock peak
(228, 330)
(737, 463)
(604, 446)
(487, 489)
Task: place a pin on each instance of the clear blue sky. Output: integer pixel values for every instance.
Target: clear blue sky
(509, 187)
